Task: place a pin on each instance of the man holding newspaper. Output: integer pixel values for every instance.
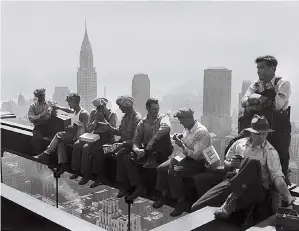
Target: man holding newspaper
(189, 161)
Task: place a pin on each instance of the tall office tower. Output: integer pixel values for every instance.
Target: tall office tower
(245, 85)
(60, 95)
(86, 75)
(294, 147)
(141, 92)
(217, 101)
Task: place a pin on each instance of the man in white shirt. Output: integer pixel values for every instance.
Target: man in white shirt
(269, 96)
(194, 139)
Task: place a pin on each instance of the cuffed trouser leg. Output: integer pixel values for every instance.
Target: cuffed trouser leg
(162, 177)
(53, 145)
(132, 169)
(246, 186)
(77, 155)
(207, 180)
(86, 162)
(121, 173)
(186, 168)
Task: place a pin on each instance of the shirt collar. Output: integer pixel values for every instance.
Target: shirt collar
(158, 117)
(194, 128)
(248, 143)
(272, 81)
(130, 115)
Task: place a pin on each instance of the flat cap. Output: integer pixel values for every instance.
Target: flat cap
(125, 101)
(184, 113)
(99, 102)
(40, 91)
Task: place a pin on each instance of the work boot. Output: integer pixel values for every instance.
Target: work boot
(180, 207)
(160, 202)
(228, 207)
(152, 161)
(83, 181)
(62, 169)
(122, 192)
(74, 176)
(99, 181)
(139, 191)
(43, 158)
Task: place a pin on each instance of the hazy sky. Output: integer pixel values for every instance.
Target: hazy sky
(172, 42)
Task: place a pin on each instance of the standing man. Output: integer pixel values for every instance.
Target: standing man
(194, 139)
(126, 132)
(269, 96)
(256, 173)
(39, 114)
(79, 122)
(151, 138)
(82, 152)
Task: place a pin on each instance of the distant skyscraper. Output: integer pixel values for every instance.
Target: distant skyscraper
(294, 147)
(86, 75)
(60, 95)
(141, 92)
(245, 85)
(21, 100)
(217, 100)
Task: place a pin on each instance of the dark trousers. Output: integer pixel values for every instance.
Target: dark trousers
(39, 132)
(207, 180)
(246, 185)
(280, 140)
(172, 182)
(82, 156)
(121, 173)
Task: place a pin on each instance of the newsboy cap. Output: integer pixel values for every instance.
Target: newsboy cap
(99, 102)
(125, 101)
(40, 91)
(184, 113)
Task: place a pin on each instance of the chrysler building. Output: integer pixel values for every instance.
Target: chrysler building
(86, 76)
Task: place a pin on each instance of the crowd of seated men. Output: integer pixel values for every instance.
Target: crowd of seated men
(252, 176)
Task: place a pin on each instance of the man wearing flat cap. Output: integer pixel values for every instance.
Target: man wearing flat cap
(39, 114)
(194, 139)
(82, 157)
(257, 170)
(126, 132)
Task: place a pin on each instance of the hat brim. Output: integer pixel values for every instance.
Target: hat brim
(258, 131)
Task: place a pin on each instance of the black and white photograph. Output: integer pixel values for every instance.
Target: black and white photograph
(149, 115)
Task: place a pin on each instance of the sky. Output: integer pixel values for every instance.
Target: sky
(172, 42)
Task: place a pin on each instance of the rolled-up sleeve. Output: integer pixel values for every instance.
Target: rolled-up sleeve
(251, 90)
(201, 141)
(113, 120)
(231, 151)
(164, 127)
(137, 139)
(31, 114)
(273, 164)
(283, 95)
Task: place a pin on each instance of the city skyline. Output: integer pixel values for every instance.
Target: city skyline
(171, 52)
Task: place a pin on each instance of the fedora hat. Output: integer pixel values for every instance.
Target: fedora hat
(259, 124)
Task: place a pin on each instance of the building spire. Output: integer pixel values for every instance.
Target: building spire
(85, 24)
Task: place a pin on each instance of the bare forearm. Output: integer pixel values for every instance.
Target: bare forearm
(283, 189)
(65, 109)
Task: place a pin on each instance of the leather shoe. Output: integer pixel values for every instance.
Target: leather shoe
(43, 158)
(228, 207)
(83, 181)
(159, 203)
(180, 207)
(74, 176)
(140, 191)
(122, 192)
